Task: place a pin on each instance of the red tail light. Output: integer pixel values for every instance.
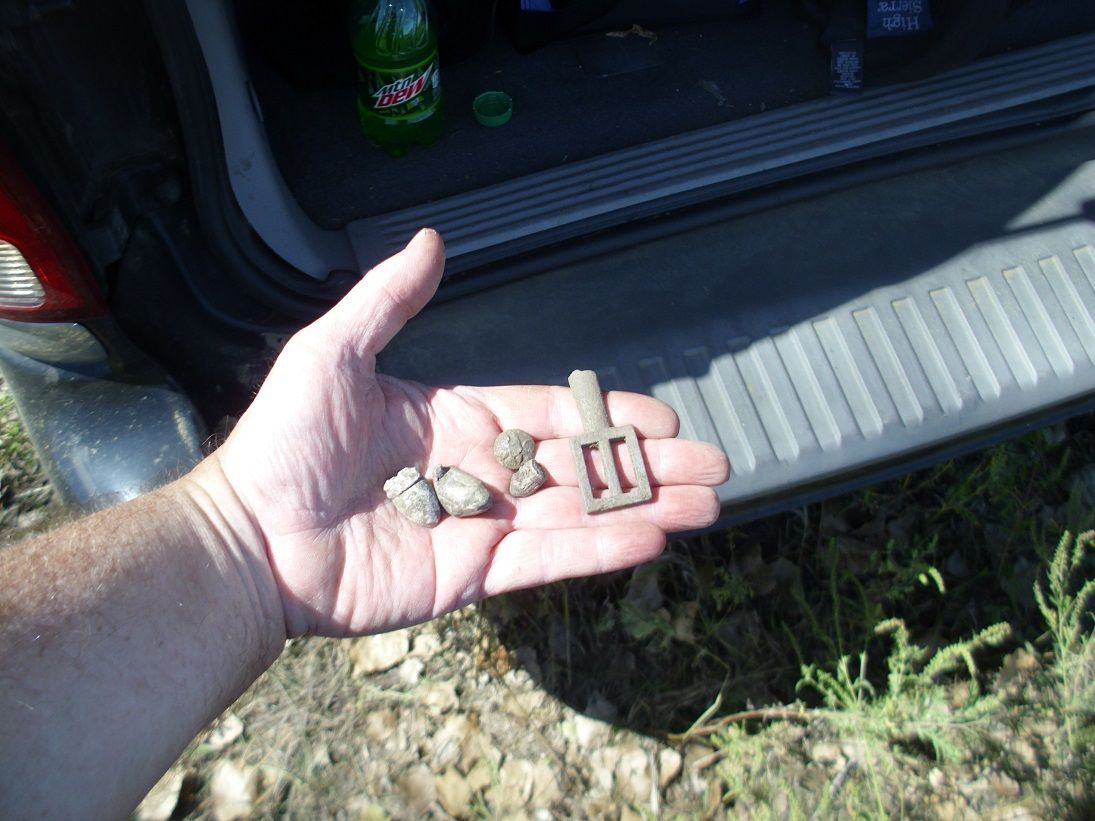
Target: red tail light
(43, 275)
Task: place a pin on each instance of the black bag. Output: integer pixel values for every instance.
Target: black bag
(905, 40)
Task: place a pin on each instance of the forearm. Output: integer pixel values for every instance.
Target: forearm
(121, 636)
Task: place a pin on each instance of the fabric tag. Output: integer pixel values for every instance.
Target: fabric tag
(893, 18)
(846, 66)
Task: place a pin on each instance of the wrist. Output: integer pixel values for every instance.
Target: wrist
(163, 608)
(225, 526)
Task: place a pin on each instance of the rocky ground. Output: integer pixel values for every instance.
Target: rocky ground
(709, 683)
(434, 722)
(428, 722)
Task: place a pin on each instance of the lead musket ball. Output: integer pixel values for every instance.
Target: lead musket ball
(513, 448)
(413, 496)
(460, 493)
(527, 480)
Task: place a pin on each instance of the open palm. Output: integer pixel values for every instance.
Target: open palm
(309, 458)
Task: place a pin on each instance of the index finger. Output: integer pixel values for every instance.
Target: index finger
(549, 411)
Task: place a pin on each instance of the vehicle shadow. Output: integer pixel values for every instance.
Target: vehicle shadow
(724, 623)
(719, 288)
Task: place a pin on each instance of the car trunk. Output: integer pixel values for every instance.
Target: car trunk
(580, 97)
(609, 124)
(574, 99)
(826, 286)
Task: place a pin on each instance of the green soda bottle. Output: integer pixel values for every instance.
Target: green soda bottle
(399, 80)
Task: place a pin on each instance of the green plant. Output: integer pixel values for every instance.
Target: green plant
(881, 730)
(729, 589)
(1066, 613)
(16, 450)
(913, 708)
(1068, 618)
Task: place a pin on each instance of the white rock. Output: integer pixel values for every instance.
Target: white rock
(224, 732)
(568, 731)
(410, 671)
(160, 803)
(600, 808)
(447, 745)
(380, 725)
(827, 754)
(479, 749)
(854, 751)
(426, 645)
(545, 785)
(454, 793)
(518, 679)
(418, 788)
(481, 775)
(669, 767)
(374, 654)
(1004, 786)
(439, 696)
(693, 776)
(590, 732)
(365, 808)
(1025, 752)
(233, 790)
(633, 776)
(949, 809)
(525, 706)
(514, 787)
(602, 766)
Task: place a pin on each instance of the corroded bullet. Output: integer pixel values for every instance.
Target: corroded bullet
(413, 497)
(527, 480)
(513, 448)
(460, 493)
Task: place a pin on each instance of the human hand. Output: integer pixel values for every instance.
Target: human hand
(303, 473)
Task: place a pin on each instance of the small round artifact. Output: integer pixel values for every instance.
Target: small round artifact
(513, 448)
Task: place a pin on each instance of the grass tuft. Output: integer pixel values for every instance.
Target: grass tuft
(884, 735)
(24, 491)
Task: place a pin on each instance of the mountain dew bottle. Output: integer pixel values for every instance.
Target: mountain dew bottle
(399, 80)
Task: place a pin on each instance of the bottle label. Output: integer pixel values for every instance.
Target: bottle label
(406, 95)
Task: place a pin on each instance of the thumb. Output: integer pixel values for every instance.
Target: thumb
(378, 307)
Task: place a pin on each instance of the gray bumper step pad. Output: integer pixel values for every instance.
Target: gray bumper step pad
(820, 339)
(719, 160)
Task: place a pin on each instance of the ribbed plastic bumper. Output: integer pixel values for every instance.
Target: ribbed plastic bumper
(824, 340)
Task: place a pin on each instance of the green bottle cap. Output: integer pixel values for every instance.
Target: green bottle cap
(493, 108)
